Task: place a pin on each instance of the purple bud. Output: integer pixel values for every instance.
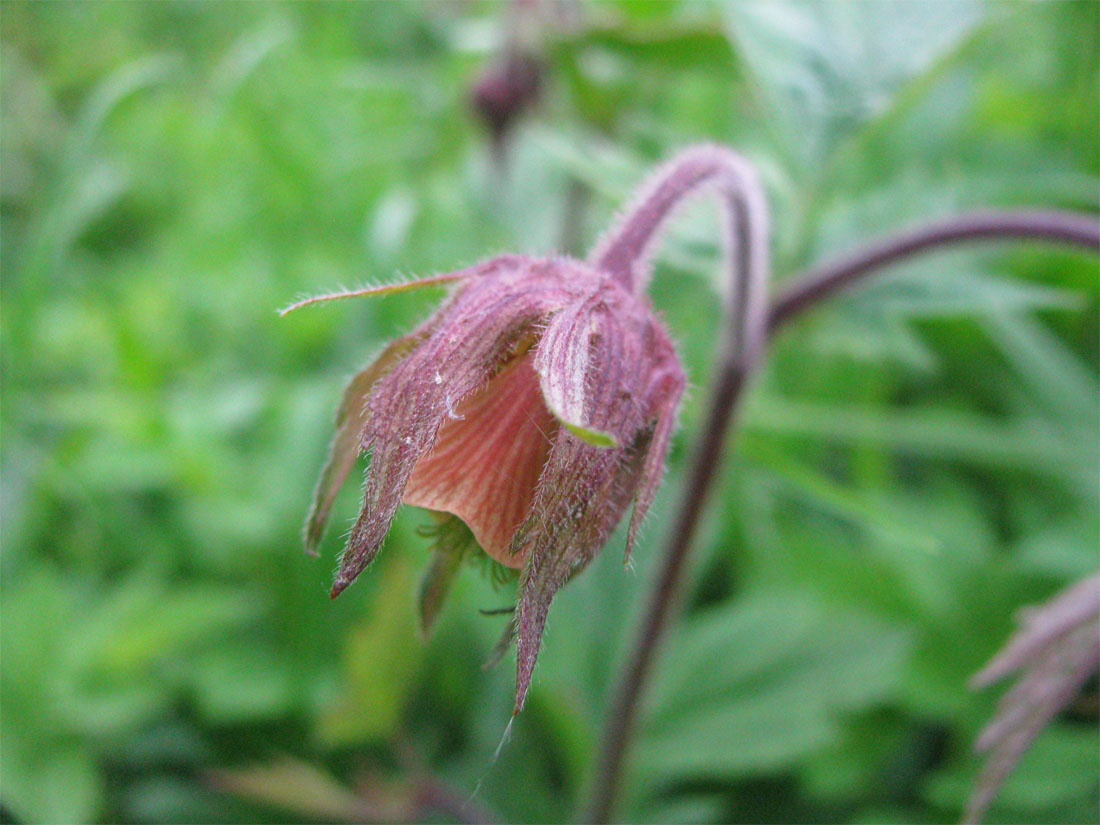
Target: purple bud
(504, 90)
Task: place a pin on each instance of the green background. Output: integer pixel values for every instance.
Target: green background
(917, 460)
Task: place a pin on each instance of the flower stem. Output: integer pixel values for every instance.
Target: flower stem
(822, 281)
(744, 331)
(813, 287)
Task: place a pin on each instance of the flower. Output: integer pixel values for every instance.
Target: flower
(537, 403)
(1057, 648)
(528, 412)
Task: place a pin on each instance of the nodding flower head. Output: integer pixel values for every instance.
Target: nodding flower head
(528, 412)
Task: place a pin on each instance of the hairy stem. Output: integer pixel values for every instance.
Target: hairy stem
(625, 250)
(624, 253)
(818, 283)
(736, 366)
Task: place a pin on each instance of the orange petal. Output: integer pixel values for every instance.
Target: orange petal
(487, 460)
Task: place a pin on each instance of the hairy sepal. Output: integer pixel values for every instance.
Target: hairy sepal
(666, 388)
(345, 447)
(478, 331)
(584, 489)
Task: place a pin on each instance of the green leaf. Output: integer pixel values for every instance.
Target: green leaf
(781, 671)
(932, 433)
(830, 67)
(294, 786)
(1054, 375)
(241, 683)
(60, 783)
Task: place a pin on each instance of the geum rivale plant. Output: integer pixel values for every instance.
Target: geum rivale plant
(537, 404)
(528, 412)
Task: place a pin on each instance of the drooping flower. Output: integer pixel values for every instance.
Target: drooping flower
(528, 412)
(533, 406)
(1057, 648)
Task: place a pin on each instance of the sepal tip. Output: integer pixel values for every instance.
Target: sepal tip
(338, 587)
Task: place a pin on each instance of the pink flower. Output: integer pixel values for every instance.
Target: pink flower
(528, 412)
(534, 406)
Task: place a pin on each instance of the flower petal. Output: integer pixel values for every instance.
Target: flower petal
(487, 459)
(485, 324)
(350, 420)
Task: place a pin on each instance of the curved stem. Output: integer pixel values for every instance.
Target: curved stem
(821, 281)
(623, 253)
(810, 289)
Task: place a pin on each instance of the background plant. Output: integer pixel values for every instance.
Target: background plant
(918, 460)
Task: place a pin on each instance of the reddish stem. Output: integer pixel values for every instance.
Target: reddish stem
(623, 253)
(735, 369)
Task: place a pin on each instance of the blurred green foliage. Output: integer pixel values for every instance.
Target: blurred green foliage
(916, 462)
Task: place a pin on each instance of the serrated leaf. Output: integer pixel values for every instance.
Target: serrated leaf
(932, 433)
